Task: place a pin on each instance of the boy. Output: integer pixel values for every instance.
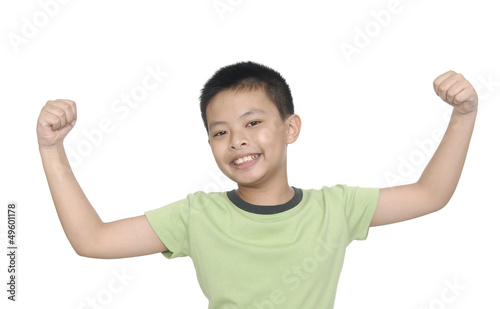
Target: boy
(265, 244)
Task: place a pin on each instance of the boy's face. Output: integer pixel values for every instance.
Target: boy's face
(248, 137)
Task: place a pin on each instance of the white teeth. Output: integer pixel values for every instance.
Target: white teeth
(245, 159)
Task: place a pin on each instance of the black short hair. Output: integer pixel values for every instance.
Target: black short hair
(248, 76)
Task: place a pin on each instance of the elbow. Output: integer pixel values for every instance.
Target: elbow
(82, 251)
(85, 249)
(437, 204)
(440, 202)
(89, 245)
(89, 254)
(434, 199)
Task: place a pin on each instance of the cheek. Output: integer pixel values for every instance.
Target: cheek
(216, 151)
(270, 137)
(266, 136)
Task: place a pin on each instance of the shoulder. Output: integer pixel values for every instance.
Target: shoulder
(204, 203)
(335, 191)
(206, 198)
(193, 201)
(342, 193)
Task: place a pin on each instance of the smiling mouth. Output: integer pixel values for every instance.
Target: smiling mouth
(245, 159)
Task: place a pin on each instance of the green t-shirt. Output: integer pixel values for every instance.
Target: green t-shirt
(264, 257)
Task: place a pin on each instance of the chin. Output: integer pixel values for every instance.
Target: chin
(247, 178)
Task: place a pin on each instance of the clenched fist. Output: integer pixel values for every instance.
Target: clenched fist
(455, 90)
(56, 119)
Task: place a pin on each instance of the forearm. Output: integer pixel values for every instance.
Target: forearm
(440, 178)
(78, 218)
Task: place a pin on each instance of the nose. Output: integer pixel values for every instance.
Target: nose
(238, 140)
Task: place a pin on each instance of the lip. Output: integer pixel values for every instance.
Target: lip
(245, 164)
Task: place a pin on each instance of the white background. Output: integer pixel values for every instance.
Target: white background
(363, 117)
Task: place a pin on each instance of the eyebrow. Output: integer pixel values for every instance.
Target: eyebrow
(248, 113)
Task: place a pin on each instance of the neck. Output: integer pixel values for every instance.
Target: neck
(266, 196)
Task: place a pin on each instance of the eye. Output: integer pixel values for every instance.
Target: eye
(220, 133)
(253, 123)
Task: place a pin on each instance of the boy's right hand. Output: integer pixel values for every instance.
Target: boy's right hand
(56, 119)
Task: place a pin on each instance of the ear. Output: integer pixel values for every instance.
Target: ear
(294, 124)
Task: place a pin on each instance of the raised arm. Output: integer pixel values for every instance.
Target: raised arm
(88, 235)
(440, 178)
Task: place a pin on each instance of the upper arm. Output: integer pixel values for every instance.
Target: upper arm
(402, 203)
(124, 238)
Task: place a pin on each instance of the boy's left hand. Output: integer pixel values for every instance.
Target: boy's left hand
(455, 90)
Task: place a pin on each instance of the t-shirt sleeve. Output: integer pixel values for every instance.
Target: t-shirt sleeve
(360, 205)
(170, 223)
